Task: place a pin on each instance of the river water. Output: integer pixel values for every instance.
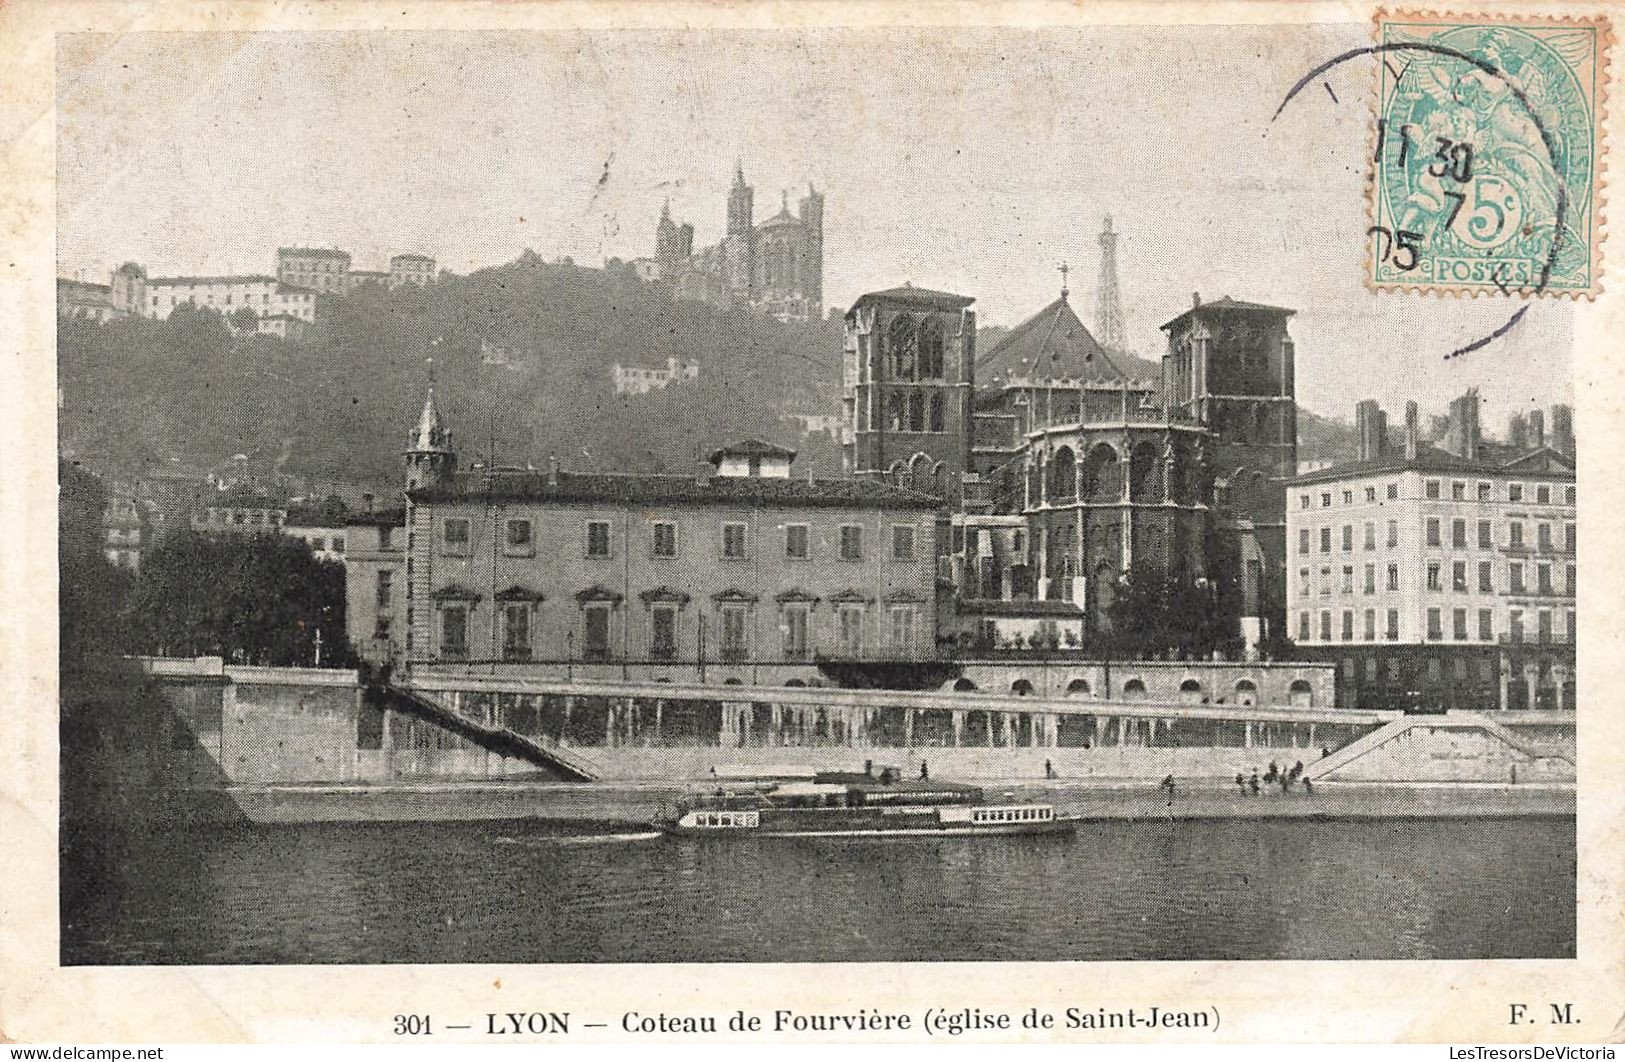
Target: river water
(536, 892)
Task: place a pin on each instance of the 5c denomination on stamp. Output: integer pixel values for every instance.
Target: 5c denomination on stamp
(1487, 174)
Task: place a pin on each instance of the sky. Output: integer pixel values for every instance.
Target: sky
(971, 160)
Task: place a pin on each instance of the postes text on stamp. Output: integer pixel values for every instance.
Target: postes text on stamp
(1487, 174)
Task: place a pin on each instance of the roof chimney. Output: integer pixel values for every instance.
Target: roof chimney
(1518, 432)
(552, 470)
(1371, 428)
(1410, 431)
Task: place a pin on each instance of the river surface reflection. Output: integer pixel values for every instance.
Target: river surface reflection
(539, 892)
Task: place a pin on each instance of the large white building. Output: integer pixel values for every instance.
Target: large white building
(264, 296)
(1440, 575)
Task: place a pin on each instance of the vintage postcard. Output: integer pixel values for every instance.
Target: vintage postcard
(812, 523)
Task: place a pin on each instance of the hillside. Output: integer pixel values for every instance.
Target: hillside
(523, 358)
(341, 403)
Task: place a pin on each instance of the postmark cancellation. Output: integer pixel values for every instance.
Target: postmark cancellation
(1487, 174)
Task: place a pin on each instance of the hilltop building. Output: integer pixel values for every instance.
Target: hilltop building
(1441, 574)
(776, 266)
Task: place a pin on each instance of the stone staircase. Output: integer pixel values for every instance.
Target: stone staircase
(489, 736)
(1536, 756)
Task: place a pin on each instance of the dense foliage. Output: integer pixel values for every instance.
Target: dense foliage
(340, 402)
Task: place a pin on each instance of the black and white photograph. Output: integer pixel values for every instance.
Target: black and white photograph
(801, 493)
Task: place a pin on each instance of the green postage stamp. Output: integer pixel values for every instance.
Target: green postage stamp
(1487, 161)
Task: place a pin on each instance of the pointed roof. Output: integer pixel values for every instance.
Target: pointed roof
(430, 434)
(1227, 303)
(1054, 344)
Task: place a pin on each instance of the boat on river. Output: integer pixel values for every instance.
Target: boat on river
(838, 804)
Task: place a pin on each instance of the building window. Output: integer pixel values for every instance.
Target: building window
(1370, 535)
(1325, 540)
(1348, 625)
(1393, 577)
(1393, 491)
(1393, 625)
(1326, 500)
(1435, 624)
(1393, 533)
(1458, 534)
(597, 538)
(1458, 491)
(1370, 626)
(1432, 489)
(1433, 576)
(1458, 624)
(519, 542)
(1568, 538)
(386, 590)
(1568, 579)
(1433, 531)
(665, 538)
(1303, 582)
(1543, 537)
(516, 631)
(734, 540)
(1348, 497)
(851, 542)
(1371, 494)
(1348, 538)
(849, 626)
(1370, 584)
(1515, 626)
(1303, 540)
(902, 542)
(595, 644)
(1515, 535)
(1486, 537)
(1543, 626)
(1325, 626)
(1543, 495)
(1515, 492)
(663, 632)
(1486, 625)
(1515, 575)
(1348, 578)
(1303, 626)
(1486, 578)
(454, 632)
(1458, 576)
(1568, 495)
(1325, 582)
(1483, 491)
(735, 632)
(903, 624)
(797, 542)
(1543, 578)
(1303, 501)
(454, 534)
(795, 631)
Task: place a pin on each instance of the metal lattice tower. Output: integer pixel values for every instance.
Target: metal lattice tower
(1108, 302)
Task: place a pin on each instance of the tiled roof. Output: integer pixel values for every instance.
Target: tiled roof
(393, 517)
(629, 489)
(234, 278)
(1054, 344)
(1227, 303)
(313, 252)
(1430, 458)
(411, 258)
(939, 300)
(750, 448)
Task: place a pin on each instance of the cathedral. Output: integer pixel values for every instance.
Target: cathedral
(1068, 465)
(776, 266)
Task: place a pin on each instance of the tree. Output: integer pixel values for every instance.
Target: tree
(91, 590)
(260, 599)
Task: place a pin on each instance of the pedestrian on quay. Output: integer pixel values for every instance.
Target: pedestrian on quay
(1252, 783)
(1241, 783)
(925, 772)
(1273, 773)
(1324, 752)
(1297, 769)
(1168, 784)
(1308, 786)
(1049, 769)
(1286, 782)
